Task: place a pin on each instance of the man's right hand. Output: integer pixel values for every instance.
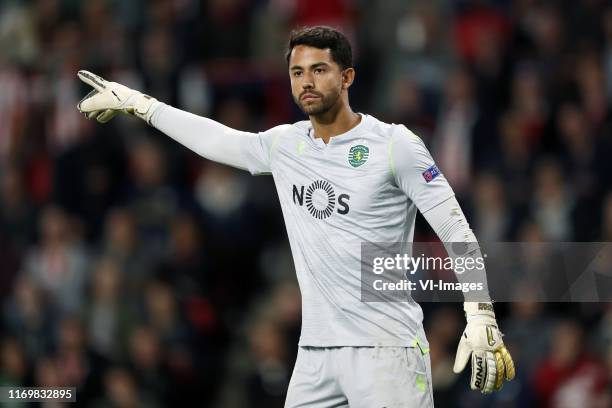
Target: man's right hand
(108, 98)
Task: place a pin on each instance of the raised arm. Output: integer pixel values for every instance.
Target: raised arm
(204, 136)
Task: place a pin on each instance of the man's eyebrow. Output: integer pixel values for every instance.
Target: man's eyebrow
(319, 64)
(315, 65)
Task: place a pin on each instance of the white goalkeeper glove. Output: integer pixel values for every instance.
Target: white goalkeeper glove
(482, 340)
(109, 98)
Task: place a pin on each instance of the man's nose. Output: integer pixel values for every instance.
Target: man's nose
(307, 82)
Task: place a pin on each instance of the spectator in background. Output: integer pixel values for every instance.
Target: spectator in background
(221, 194)
(230, 21)
(443, 328)
(121, 391)
(268, 382)
(579, 145)
(185, 264)
(15, 371)
(526, 318)
(579, 150)
(9, 268)
(146, 358)
(159, 62)
(591, 83)
(151, 199)
(516, 163)
(492, 217)
(552, 201)
(569, 376)
(99, 22)
(59, 263)
(528, 107)
(227, 215)
(107, 314)
(63, 128)
(287, 305)
(163, 314)
(121, 244)
(47, 373)
(454, 135)
(13, 104)
(408, 106)
(17, 212)
(481, 32)
(30, 317)
(81, 366)
(545, 36)
(402, 39)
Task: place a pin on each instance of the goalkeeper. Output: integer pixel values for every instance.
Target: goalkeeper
(343, 178)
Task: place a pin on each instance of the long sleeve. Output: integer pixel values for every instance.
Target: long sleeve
(451, 226)
(415, 171)
(449, 222)
(208, 138)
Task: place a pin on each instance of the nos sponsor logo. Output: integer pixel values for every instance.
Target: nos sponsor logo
(320, 199)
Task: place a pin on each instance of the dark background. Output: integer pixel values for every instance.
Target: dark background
(147, 276)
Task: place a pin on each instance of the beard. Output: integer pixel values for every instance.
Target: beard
(321, 105)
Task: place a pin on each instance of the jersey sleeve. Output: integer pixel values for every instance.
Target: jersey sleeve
(415, 171)
(257, 151)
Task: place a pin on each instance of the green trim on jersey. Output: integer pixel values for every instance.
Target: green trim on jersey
(390, 155)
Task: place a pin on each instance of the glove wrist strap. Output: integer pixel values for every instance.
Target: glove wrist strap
(142, 107)
(478, 309)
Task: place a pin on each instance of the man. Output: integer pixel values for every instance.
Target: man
(343, 178)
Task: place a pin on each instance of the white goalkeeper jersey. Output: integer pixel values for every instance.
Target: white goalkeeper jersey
(363, 186)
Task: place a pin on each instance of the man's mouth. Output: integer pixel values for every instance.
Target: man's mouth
(309, 96)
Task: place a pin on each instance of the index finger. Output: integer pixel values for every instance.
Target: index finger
(96, 82)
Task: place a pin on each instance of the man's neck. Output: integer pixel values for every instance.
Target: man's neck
(334, 122)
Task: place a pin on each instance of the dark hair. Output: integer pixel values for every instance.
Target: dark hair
(323, 37)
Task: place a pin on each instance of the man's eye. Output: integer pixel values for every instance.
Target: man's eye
(319, 70)
(297, 73)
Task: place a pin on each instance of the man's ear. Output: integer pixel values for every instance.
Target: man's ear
(348, 76)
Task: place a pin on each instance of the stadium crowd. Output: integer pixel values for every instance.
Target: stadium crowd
(149, 277)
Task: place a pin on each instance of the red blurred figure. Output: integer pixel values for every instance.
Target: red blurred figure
(569, 376)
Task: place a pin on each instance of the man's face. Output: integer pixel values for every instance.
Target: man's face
(316, 80)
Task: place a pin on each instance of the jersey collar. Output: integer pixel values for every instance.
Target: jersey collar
(319, 143)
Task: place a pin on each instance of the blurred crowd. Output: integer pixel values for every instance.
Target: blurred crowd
(149, 277)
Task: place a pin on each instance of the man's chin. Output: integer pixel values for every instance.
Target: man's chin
(312, 109)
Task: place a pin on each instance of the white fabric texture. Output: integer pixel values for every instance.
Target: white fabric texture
(206, 137)
(345, 376)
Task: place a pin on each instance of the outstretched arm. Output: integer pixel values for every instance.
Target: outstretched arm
(204, 136)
